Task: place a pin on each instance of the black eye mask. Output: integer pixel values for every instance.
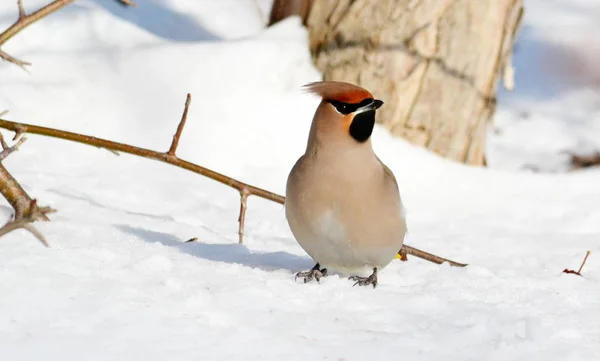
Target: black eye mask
(347, 108)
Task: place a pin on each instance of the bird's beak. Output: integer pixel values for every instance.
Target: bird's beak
(375, 104)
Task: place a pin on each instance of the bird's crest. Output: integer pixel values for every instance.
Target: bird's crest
(337, 90)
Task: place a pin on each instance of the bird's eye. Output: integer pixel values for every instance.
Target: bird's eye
(342, 107)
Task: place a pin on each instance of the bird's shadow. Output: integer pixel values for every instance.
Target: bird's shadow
(228, 253)
(161, 20)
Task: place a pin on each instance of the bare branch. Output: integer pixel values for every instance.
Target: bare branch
(26, 209)
(245, 189)
(36, 213)
(177, 135)
(141, 152)
(24, 21)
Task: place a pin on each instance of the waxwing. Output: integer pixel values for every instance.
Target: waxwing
(342, 203)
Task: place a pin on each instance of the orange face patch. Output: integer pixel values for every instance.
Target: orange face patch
(347, 122)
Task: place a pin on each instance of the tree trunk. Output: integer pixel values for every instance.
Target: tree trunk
(435, 63)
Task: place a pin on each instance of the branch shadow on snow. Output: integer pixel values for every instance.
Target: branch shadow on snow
(233, 253)
(159, 19)
(92, 202)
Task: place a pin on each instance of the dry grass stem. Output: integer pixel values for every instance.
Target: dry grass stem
(245, 189)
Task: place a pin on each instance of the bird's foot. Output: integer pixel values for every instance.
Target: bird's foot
(315, 273)
(365, 281)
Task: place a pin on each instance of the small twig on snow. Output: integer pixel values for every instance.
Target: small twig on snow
(578, 272)
(585, 161)
(24, 21)
(127, 2)
(245, 189)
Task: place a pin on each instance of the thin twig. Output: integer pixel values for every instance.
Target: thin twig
(177, 135)
(21, 9)
(36, 213)
(24, 223)
(584, 259)
(245, 189)
(11, 59)
(242, 217)
(568, 271)
(3, 143)
(24, 21)
(6, 150)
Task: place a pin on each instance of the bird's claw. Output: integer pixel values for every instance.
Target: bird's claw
(315, 274)
(365, 281)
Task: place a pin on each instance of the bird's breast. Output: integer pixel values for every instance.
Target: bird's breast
(327, 224)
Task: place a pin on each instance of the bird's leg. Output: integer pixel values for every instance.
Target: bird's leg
(365, 281)
(315, 273)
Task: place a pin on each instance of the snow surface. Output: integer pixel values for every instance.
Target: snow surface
(119, 283)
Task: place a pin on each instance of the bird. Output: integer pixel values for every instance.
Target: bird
(343, 204)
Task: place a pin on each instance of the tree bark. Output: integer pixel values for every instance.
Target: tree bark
(435, 63)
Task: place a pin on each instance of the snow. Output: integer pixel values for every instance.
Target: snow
(120, 283)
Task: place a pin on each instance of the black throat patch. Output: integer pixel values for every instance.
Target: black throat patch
(362, 126)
